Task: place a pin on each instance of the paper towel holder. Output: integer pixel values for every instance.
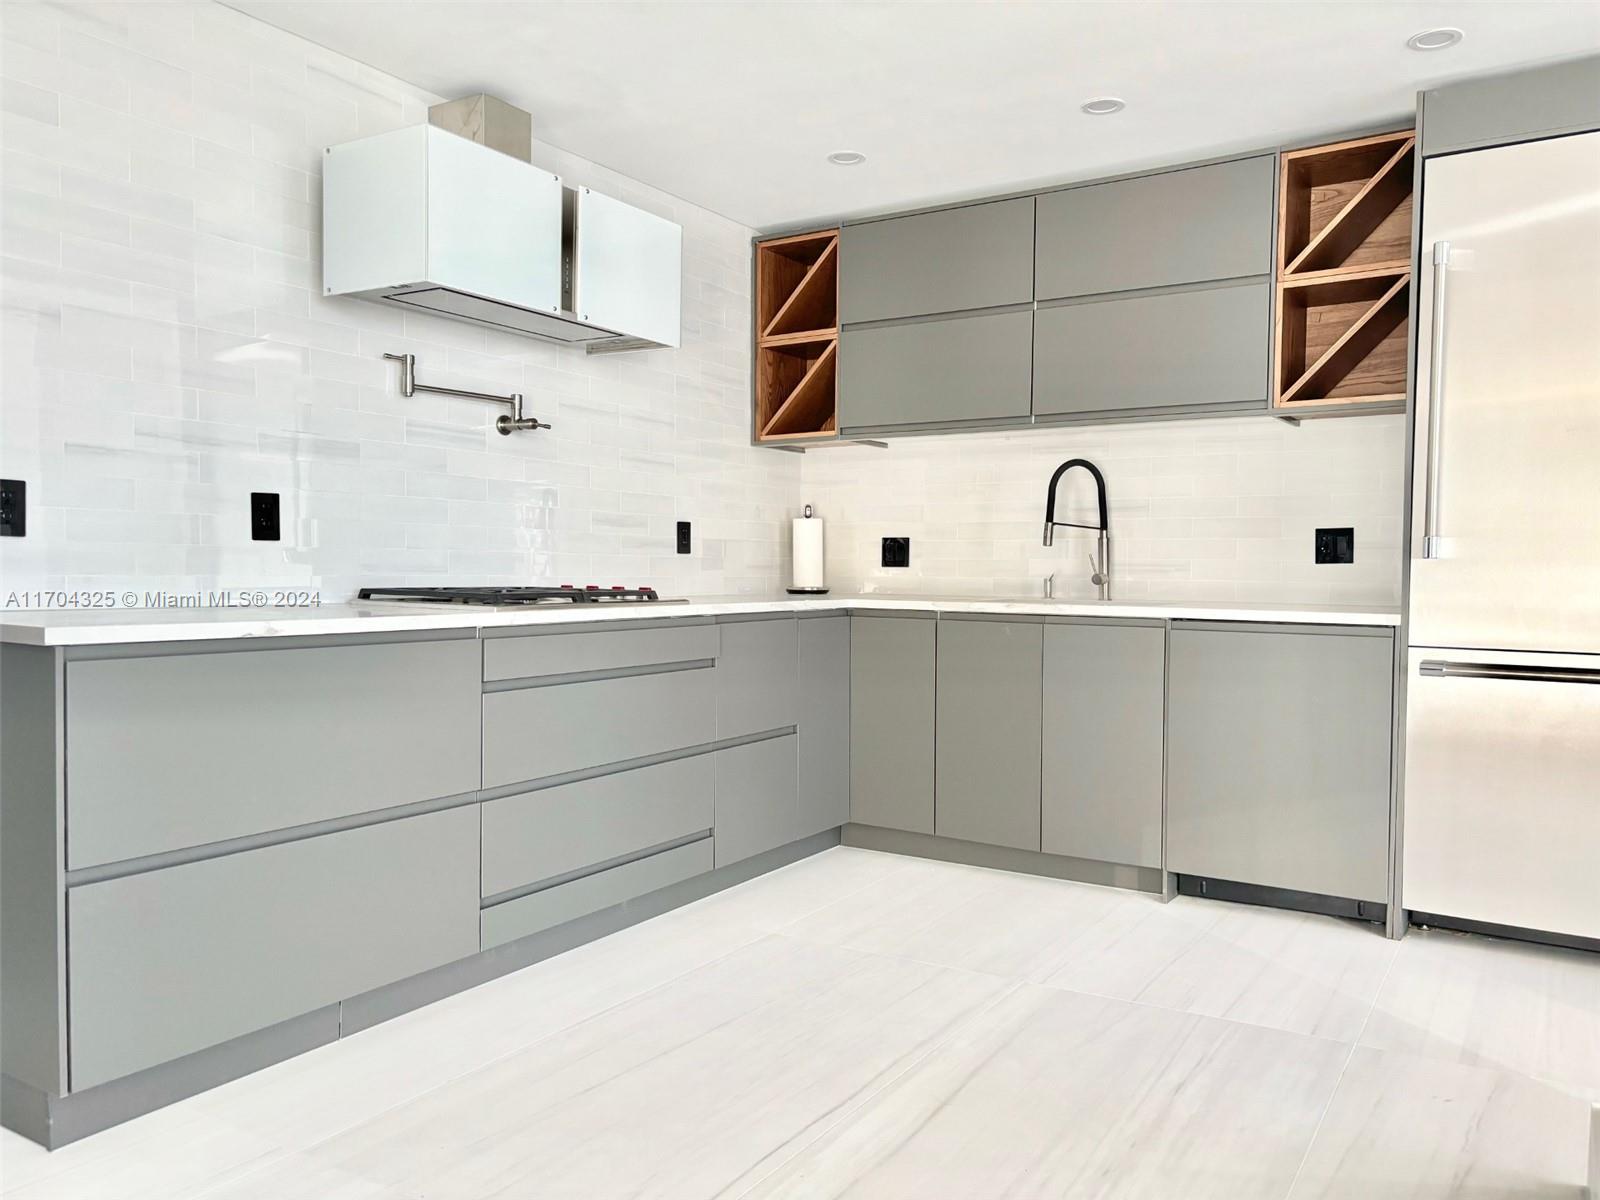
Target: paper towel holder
(807, 591)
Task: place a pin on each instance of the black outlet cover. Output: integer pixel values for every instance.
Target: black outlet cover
(684, 537)
(897, 552)
(13, 508)
(1336, 545)
(264, 517)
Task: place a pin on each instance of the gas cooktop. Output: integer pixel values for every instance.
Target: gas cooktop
(506, 596)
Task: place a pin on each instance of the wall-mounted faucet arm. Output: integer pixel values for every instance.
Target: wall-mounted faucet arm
(505, 424)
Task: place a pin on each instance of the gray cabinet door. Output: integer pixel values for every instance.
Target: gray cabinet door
(552, 906)
(1174, 350)
(891, 722)
(1103, 699)
(1278, 758)
(1185, 226)
(969, 368)
(756, 807)
(824, 718)
(988, 723)
(534, 836)
(179, 750)
(1518, 106)
(172, 961)
(568, 650)
(534, 733)
(980, 256)
(756, 676)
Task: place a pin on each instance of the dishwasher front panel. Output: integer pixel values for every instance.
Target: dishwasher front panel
(1502, 789)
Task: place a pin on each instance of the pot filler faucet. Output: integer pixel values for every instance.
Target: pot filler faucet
(506, 423)
(1099, 572)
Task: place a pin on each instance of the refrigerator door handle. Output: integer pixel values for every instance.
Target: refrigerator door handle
(1430, 508)
(1477, 670)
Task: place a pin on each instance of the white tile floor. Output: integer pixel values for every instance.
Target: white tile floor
(868, 1025)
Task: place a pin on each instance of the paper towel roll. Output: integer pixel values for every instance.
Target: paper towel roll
(808, 555)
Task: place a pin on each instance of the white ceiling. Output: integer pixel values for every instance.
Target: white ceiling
(734, 106)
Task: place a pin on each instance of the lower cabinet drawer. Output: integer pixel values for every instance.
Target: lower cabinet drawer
(533, 733)
(554, 906)
(757, 798)
(172, 961)
(538, 835)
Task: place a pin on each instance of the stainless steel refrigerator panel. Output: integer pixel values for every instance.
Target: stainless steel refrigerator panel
(1506, 509)
(1502, 819)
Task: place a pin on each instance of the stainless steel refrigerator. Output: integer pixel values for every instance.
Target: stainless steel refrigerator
(1502, 777)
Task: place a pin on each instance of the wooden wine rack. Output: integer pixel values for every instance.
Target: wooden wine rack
(797, 337)
(1344, 276)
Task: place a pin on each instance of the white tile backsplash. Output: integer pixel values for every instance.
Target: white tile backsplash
(1215, 509)
(167, 351)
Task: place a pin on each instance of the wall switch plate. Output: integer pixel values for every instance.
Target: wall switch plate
(1336, 545)
(685, 541)
(13, 508)
(897, 552)
(264, 517)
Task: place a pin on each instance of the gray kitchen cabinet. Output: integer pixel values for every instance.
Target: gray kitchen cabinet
(979, 256)
(1168, 351)
(972, 368)
(1175, 227)
(824, 717)
(568, 650)
(534, 836)
(1104, 684)
(756, 798)
(552, 906)
(533, 733)
(891, 722)
(756, 676)
(1278, 756)
(988, 729)
(1517, 106)
(176, 750)
(170, 961)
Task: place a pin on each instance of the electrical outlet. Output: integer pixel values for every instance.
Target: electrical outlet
(685, 542)
(897, 552)
(1336, 545)
(264, 517)
(13, 508)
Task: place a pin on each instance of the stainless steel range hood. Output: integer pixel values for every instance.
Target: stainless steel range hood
(440, 221)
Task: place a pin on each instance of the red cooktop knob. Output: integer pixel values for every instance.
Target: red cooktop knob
(569, 587)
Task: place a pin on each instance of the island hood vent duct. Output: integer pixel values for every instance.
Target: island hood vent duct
(451, 218)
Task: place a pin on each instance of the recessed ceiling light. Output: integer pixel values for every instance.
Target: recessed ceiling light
(1103, 106)
(1434, 39)
(847, 158)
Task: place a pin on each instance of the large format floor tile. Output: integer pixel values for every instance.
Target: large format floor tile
(1059, 1094)
(891, 1038)
(688, 1090)
(193, 1144)
(1407, 1128)
(1492, 1003)
(1018, 926)
(1290, 971)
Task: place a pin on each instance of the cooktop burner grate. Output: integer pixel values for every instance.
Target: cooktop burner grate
(504, 596)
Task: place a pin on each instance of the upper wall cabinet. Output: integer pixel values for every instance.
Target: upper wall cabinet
(980, 256)
(1519, 106)
(972, 369)
(1179, 227)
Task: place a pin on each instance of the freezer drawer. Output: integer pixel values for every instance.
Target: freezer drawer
(1502, 798)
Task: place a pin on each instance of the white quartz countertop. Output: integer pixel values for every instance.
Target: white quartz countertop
(99, 627)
